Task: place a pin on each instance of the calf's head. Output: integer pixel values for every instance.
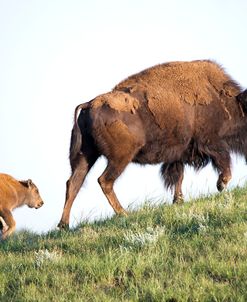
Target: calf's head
(32, 199)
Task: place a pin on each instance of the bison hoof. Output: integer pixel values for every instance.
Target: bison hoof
(178, 200)
(63, 226)
(221, 186)
(124, 213)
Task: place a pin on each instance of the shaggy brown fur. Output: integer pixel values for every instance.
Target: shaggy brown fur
(167, 86)
(176, 114)
(13, 194)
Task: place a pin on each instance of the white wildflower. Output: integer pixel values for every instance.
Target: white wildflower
(139, 239)
(43, 256)
(202, 228)
(201, 219)
(124, 249)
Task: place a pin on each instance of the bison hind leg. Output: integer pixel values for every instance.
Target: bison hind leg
(122, 146)
(106, 182)
(80, 168)
(173, 174)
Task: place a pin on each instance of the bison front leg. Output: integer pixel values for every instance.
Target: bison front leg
(73, 186)
(222, 162)
(8, 223)
(223, 180)
(178, 194)
(173, 175)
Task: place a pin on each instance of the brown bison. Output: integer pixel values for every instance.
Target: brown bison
(13, 194)
(175, 113)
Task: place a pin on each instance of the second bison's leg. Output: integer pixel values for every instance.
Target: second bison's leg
(8, 223)
(73, 185)
(173, 174)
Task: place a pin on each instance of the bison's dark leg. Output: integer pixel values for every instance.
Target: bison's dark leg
(73, 185)
(173, 174)
(218, 153)
(8, 223)
(178, 195)
(222, 162)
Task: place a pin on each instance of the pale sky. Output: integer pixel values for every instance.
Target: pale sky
(57, 54)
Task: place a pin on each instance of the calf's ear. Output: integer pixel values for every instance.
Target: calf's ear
(29, 182)
(26, 183)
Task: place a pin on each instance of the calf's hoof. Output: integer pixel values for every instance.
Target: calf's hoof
(5, 229)
(4, 236)
(3, 226)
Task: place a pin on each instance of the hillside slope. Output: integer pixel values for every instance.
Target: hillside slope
(193, 252)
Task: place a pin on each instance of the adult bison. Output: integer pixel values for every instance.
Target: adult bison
(175, 113)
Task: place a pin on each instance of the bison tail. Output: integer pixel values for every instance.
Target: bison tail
(76, 135)
(242, 99)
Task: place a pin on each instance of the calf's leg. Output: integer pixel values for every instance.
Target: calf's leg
(8, 222)
(3, 225)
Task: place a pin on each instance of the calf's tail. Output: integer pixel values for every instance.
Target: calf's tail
(76, 135)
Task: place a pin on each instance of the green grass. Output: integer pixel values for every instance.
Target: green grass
(193, 252)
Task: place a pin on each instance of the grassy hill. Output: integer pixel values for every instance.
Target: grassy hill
(193, 252)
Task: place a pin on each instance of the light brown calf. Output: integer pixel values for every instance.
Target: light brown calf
(14, 194)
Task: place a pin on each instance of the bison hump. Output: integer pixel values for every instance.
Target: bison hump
(194, 82)
(168, 86)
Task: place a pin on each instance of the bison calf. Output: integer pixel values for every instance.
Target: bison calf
(13, 194)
